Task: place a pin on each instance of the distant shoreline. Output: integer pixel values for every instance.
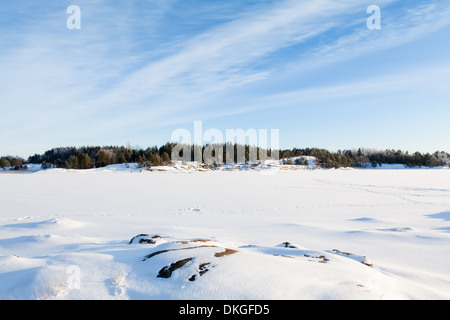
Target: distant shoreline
(17, 171)
(191, 167)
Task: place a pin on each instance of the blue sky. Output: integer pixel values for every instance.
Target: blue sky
(138, 70)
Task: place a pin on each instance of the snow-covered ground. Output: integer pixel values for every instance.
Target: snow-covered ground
(123, 233)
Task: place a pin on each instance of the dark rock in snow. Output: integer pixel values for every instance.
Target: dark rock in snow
(166, 272)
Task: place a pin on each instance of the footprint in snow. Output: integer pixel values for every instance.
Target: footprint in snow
(116, 285)
(189, 211)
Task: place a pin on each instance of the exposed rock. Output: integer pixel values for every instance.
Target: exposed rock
(358, 258)
(289, 245)
(321, 258)
(178, 249)
(225, 253)
(166, 272)
(145, 238)
(202, 269)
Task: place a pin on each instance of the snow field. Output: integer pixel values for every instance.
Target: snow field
(294, 234)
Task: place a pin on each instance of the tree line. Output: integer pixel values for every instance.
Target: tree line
(366, 158)
(96, 156)
(15, 163)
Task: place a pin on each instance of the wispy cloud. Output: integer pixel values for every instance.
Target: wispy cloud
(133, 64)
(236, 53)
(228, 55)
(398, 28)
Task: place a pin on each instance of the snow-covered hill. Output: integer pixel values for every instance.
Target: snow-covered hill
(293, 163)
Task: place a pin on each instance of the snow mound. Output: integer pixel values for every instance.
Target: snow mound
(196, 268)
(150, 266)
(196, 257)
(289, 245)
(61, 223)
(147, 239)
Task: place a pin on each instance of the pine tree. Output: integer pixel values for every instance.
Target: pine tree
(102, 159)
(166, 159)
(122, 158)
(16, 163)
(4, 163)
(155, 160)
(73, 162)
(84, 161)
(141, 161)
